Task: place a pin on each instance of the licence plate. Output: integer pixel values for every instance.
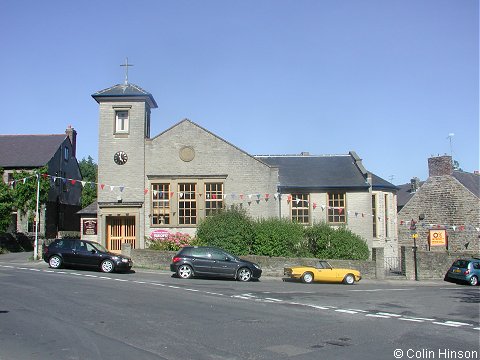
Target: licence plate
(456, 270)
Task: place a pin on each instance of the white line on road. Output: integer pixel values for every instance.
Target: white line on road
(347, 311)
(410, 319)
(378, 316)
(388, 314)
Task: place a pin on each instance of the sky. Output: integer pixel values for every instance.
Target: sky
(395, 81)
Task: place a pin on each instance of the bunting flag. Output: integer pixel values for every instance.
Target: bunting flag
(241, 196)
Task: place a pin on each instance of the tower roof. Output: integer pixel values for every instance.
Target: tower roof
(126, 91)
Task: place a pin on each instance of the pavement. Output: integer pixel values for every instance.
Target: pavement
(26, 259)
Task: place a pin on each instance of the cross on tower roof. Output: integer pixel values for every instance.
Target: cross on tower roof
(126, 70)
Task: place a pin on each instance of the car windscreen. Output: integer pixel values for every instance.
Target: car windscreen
(463, 264)
(99, 247)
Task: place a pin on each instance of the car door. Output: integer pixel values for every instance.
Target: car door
(201, 261)
(86, 254)
(326, 273)
(65, 248)
(222, 264)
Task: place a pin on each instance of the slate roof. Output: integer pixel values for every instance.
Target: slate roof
(125, 90)
(471, 182)
(26, 151)
(89, 209)
(316, 172)
(381, 184)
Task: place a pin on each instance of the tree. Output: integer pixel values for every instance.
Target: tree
(25, 190)
(6, 204)
(89, 172)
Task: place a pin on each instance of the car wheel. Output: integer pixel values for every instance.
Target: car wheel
(107, 266)
(349, 279)
(307, 277)
(185, 271)
(244, 274)
(473, 280)
(55, 262)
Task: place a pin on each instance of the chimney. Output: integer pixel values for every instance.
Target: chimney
(414, 184)
(72, 134)
(440, 165)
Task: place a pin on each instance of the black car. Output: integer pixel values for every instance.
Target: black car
(76, 252)
(210, 261)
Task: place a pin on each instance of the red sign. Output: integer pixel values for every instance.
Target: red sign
(90, 227)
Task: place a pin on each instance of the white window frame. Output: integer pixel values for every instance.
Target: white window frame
(122, 124)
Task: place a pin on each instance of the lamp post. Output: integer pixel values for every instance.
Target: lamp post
(35, 247)
(413, 227)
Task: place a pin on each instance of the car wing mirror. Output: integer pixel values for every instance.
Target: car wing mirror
(93, 251)
(227, 258)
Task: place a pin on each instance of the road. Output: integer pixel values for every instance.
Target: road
(81, 314)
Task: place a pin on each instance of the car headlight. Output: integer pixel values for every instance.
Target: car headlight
(258, 267)
(124, 260)
(115, 258)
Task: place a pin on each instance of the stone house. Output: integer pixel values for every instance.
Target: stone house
(152, 186)
(445, 209)
(58, 153)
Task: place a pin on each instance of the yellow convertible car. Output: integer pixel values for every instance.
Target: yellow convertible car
(324, 272)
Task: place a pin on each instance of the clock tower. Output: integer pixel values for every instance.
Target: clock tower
(124, 125)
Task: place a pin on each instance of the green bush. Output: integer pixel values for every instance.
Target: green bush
(231, 230)
(278, 237)
(326, 242)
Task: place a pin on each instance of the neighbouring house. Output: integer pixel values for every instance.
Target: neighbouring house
(443, 211)
(152, 186)
(58, 153)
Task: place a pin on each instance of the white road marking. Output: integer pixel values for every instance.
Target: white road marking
(388, 314)
(248, 296)
(274, 300)
(446, 324)
(347, 311)
(411, 319)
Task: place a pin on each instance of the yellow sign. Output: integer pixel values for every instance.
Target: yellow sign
(438, 237)
(415, 236)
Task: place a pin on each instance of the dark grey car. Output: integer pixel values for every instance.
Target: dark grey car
(77, 252)
(210, 261)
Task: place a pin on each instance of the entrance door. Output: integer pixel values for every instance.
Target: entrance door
(120, 229)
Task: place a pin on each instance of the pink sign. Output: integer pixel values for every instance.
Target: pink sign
(159, 234)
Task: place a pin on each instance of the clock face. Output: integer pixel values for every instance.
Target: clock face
(120, 157)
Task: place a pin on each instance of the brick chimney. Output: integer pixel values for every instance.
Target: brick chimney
(440, 165)
(414, 184)
(72, 134)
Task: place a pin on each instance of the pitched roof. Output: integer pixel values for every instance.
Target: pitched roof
(316, 172)
(379, 183)
(89, 209)
(125, 91)
(26, 151)
(470, 181)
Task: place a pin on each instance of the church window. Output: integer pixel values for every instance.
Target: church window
(160, 204)
(187, 204)
(66, 153)
(121, 121)
(213, 198)
(374, 215)
(299, 207)
(336, 208)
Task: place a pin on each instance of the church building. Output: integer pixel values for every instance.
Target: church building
(152, 186)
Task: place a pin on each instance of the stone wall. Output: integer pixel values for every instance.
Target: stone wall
(431, 265)
(271, 266)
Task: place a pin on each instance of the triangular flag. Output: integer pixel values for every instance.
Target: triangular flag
(102, 186)
(145, 191)
(112, 187)
(83, 183)
(73, 181)
(121, 188)
(314, 206)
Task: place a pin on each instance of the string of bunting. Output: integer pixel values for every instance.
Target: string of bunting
(249, 197)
